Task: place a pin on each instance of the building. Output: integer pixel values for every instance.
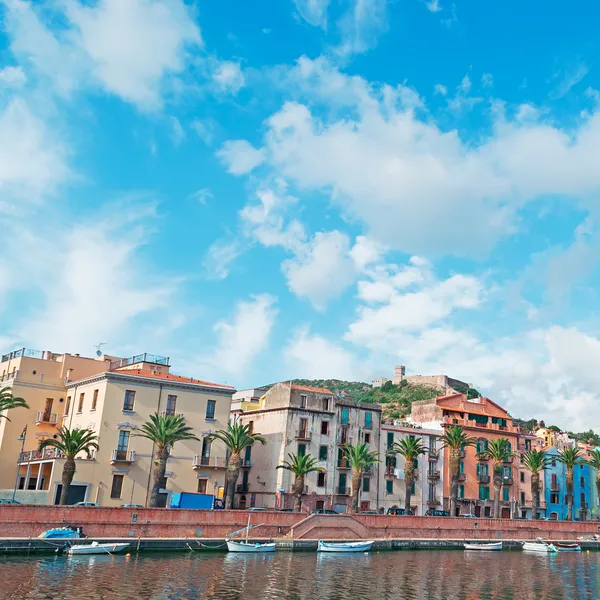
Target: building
(447, 385)
(306, 420)
(485, 420)
(429, 468)
(250, 396)
(529, 441)
(112, 397)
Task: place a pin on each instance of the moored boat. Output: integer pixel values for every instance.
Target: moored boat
(98, 548)
(566, 547)
(486, 547)
(63, 533)
(542, 547)
(250, 547)
(344, 546)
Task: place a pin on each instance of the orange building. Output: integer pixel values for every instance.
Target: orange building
(484, 420)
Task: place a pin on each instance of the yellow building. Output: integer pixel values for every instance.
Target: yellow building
(112, 397)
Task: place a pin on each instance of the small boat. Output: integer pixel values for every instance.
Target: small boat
(250, 547)
(62, 533)
(487, 547)
(97, 548)
(566, 547)
(344, 546)
(542, 547)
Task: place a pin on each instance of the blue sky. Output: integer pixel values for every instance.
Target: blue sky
(308, 188)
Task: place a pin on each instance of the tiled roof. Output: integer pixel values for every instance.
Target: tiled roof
(484, 406)
(308, 388)
(169, 377)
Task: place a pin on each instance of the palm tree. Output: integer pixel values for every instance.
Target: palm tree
(163, 431)
(594, 462)
(498, 451)
(360, 459)
(300, 465)
(570, 457)
(70, 442)
(456, 440)
(536, 462)
(236, 438)
(8, 401)
(410, 448)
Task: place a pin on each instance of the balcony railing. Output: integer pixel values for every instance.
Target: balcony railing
(138, 358)
(507, 481)
(242, 488)
(461, 477)
(483, 478)
(22, 352)
(46, 418)
(303, 434)
(433, 502)
(369, 425)
(584, 506)
(217, 462)
(389, 471)
(434, 454)
(433, 475)
(343, 440)
(343, 463)
(48, 454)
(166, 413)
(125, 456)
(461, 453)
(555, 487)
(343, 491)
(8, 376)
(509, 459)
(246, 463)
(482, 457)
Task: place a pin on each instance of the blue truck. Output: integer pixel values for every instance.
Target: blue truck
(195, 501)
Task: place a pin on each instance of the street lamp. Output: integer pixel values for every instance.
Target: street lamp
(21, 438)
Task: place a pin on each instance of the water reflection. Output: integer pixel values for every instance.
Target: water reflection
(405, 575)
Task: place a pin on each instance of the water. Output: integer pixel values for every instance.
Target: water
(404, 575)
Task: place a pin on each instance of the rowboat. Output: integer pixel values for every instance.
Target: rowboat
(344, 546)
(250, 547)
(542, 547)
(486, 547)
(566, 547)
(96, 548)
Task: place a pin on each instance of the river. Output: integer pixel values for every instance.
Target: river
(403, 575)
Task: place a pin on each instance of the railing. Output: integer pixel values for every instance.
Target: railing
(22, 352)
(555, 487)
(482, 457)
(303, 434)
(508, 480)
(343, 463)
(434, 475)
(343, 491)
(47, 453)
(461, 477)
(433, 502)
(242, 488)
(209, 461)
(389, 471)
(8, 376)
(368, 425)
(150, 358)
(344, 439)
(45, 417)
(434, 454)
(246, 463)
(165, 413)
(461, 454)
(509, 459)
(122, 456)
(584, 506)
(483, 478)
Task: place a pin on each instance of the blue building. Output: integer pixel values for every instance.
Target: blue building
(555, 484)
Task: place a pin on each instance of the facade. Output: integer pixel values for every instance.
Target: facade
(302, 419)
(429, 468)
(485, 420)
(241, 397)
(113, 397)
(529, 441)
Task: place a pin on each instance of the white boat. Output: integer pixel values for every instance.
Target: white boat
(487, 547)
(344, 546)
(566, 547)
(539, 547)
(250, 547)
(96, 548)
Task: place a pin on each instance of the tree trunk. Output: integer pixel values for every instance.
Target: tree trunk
(356, 477)
(67, 477)
(409, 479)
(233, 471)
(158, 475)
(454, 469)
(569, 495)
(298, 493)
(497, 491)
(535, 488)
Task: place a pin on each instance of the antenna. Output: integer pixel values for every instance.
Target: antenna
(99, 348)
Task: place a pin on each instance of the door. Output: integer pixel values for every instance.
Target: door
(505, 513)
(48, 409)
(76, 493)
(478, 510)
(122, 445)
(365, 505)
(342, 486)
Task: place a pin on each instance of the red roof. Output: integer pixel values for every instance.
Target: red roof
(169, 377)
(308, 388)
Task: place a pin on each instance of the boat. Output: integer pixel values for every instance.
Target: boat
(487, 547)
(566, 547)
(63, 533)
(344, 546)
(98, 548)
(542, 547)
(246, 546)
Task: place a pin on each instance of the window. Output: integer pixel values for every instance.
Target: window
(412, 489)
(322, 452)
(480, 419)
(484, 492)
(122, 445)
(250, 426)
(171, 403)
(522, 477)
(487, 511)
(461, 468)
(366, 484)
(581, 481)
(325, 403)
(205, 457)
(554, 498)
(522, 498)
(389, 486)
(553, 462)
(210, 409)
(248, 454)
(416, 464)
(482, 445)
(324, 427)
(506, 471)
(94, 400)
(68, 406)
(80, 405)
(527, 444)
(505, 494)
(499, 421)
(369, 420)
(302, 400)
(301, 449)
(345, 416)
(367, 438)
(461, 491)
(320, 505)
(117, 486)
(129, 400)
(202, 483)
(390, 439)
(320, 479)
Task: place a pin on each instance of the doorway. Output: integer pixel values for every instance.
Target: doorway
(76, 494)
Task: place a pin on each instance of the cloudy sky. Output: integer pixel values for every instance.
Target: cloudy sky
(308, 188)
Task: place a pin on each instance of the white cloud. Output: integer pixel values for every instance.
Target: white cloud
(322, 269)
(177, 131)
(202, 195)
(361, 26)
(204, 130)
(440, 89)
(240, 156)
(487, 80)
(433, 6)
(12, 77)
(366, 252)
(228, 77)
(243, 338)
(219, 257)
(569, 79)
(313, 11)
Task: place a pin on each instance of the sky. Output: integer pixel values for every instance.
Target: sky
(308, 189)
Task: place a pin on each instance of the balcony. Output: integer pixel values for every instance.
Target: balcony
(433, 475)
(368, 425)
(483, 478)
(217, 462)
(507, 481)
(242, 488)
(583, 506)
(138, 358)
(369, 471)
(462, 453)
(433, 502)
(461, 477)
(246, 463)
(166, 413)
(303, 434)
(46, 418)
(434, 455)
(509, 459)
(555, 487)
(482, 457)
(344, 439)
(343, 491)
(122, 456)
(343, 463)
(389, 471)
(46, 454)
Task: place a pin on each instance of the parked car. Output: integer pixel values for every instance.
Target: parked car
(469, 516)
(257, 508)
(132, 506)
(399, 512)
(284, 510)
(369, 512)
(433, 512)
(324, 511)
(8, 501)
(87, 504)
